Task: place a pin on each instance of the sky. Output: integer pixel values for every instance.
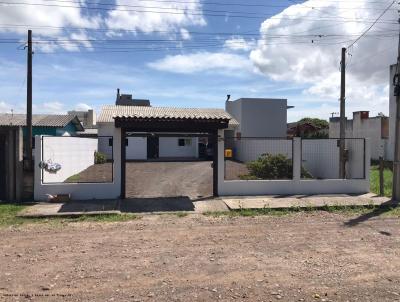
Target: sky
(192, 53)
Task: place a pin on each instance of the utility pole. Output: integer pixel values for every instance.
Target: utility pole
(396, 159)
(29, 103)
(342, 155)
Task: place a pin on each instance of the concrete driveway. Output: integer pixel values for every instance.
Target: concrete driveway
(169, 179)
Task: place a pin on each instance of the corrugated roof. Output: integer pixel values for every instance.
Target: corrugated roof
(38, 120)
(109, 112)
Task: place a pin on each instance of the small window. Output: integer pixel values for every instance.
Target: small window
(184, 142)
(110, 142)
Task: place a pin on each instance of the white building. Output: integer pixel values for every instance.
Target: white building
(362, 126)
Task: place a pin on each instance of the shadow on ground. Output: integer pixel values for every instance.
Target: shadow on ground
(157, 204)
(383, 208)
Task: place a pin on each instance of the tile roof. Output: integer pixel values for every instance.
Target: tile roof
(109, 112)
(38, 120)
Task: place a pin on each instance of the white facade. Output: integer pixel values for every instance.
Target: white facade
(136, 148)
(375, 128)
(259, 117)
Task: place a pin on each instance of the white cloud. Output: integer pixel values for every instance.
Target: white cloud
(166, 17)
(42, 16)
(5, 107)
(52, 107)
(279, 56)
(185, 34)
(204, 61)
(239, 43)
(82, 107)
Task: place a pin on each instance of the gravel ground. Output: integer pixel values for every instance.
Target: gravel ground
(299, 257)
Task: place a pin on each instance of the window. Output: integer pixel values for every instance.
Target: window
(110, 142)
(182, 142)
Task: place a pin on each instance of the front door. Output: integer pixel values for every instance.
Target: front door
(152, 147)
(2, 167)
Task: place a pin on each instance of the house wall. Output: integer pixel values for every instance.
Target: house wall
(363, 128)
(259, 117)
(82, 191)
(137, 148)
(74, 154)
(169, 147)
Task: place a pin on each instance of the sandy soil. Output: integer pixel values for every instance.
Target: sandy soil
(302, 257)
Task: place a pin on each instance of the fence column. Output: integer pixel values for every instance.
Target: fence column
(296, 158)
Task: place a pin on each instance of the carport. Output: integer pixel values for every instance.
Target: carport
(167, 121)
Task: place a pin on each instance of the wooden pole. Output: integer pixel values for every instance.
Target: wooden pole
(342, 160)
(396, 159)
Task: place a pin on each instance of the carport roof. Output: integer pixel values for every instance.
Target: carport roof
(110, 112)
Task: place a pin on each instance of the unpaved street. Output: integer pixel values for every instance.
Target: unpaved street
(300, 257)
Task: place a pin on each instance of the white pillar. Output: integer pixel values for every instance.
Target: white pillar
(296, 158)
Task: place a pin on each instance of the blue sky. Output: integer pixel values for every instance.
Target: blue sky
(193, 53)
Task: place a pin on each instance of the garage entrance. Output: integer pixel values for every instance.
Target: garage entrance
(180, 173)
(175, 164)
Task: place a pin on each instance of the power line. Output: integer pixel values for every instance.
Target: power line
(372, 25)
(187, 12)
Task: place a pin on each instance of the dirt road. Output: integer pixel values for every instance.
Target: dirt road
(302, 257)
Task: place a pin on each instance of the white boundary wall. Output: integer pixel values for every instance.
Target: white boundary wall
(80, 191)
(74, 154)
(294, 186)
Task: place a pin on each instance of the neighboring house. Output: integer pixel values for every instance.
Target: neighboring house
(363, 126)
(258, 117)
(145, 146)
(44, 124)
(87, 118)
(127, 100)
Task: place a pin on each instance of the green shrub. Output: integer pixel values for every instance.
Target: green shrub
(269, 166)
(99, 158)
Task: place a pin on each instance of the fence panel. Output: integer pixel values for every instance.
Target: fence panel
(320, 158)
(76, 160)
(253, 158)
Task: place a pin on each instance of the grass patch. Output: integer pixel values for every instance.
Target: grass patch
(181, 214)
(8, 214)
(8, 217)
(73, 178)
(384, 211)
(387, 181)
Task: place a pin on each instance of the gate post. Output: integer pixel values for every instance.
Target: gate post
(214, 139)
(123, 163)
(296, 158)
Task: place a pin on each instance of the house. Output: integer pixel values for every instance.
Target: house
(88, 120)
(363, 126)
(258, 117)
(44, 124)
(151, 146)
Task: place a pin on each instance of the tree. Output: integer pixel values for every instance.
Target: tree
(317, 122)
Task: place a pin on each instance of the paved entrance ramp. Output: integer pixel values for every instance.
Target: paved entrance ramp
(302, 201)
